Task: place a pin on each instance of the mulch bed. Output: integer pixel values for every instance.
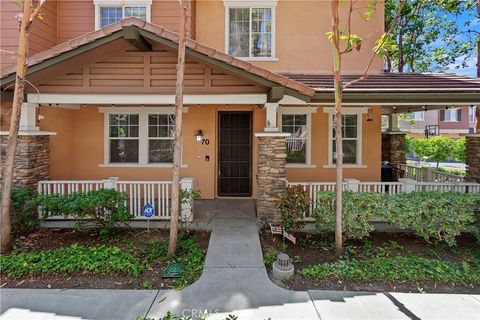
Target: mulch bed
(45, 238)
(312, 254)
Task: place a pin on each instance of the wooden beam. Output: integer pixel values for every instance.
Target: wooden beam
(131, 34)
(275, 94)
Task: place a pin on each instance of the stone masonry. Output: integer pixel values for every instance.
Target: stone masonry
(393, 147)
(271, 176)
(473, 157)
(32, 159)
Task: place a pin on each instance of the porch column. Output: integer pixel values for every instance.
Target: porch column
(32, 157)
(393, 147)
(271, 117)
(473, 157)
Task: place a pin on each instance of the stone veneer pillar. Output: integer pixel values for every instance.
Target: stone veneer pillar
(32, 159)
(473, 157)
(271, 174)
(393, 147)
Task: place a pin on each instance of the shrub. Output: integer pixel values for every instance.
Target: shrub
(104, 208)
(459, 151)
(358, 210)
(293, 204)
(433, 215)
(23, 211)
(441, 216)
(76, 258)
(436, 148)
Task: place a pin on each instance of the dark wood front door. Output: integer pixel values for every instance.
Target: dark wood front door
(235, 154)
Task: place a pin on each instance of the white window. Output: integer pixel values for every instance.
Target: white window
(417, 116)
(123, 138)
(351, 136)
(451, 115)
(298, 122)
(139, 136)
(250, 29)
(161, 135)
(111, 11)
(471, 113)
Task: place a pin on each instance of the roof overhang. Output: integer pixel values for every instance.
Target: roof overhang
(140, 33)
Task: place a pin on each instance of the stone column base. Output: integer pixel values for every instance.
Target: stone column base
(271, 174)
(32, 158)
(393, 147)
(473, 157)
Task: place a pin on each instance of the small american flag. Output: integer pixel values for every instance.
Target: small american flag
(276, 230)
(290, 237)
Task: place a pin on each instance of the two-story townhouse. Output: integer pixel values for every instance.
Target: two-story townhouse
(258, 96)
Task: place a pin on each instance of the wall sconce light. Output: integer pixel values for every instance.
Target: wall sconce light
(199, 135)
(369, 115)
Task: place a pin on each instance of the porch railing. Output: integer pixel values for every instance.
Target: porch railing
(404, 185)
(139, 193)
(429, 174)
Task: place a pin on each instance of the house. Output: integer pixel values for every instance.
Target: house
(452, 122)
(258, 96)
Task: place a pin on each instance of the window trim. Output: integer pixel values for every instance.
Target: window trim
(412, 116)
(143, 113)
(265, 4)
(471, 113)
(119, 3)
(300, 111)
(451, 111)
(346, 111)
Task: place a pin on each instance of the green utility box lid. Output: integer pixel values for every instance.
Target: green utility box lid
(173, 270)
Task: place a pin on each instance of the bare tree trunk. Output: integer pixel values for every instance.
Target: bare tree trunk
(5, 228)
(400, 49)
(478, 46)
(177, 151)
(338, 127)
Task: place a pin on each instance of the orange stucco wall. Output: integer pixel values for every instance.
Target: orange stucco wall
(301, 41)
(77, 149)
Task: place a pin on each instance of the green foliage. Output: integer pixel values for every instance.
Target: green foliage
(76, 258)
(432, 37)
(269, 258)
(189, 253)
(436, 148)
(459, 150)
(293, 204)
(23, 211)
(104, 208)
(457, 172)
(358, 211)
(397, 268)
(438, 216)
(433, 215)
(187, 196)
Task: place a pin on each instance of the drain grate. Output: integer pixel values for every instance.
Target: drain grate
(173, 270)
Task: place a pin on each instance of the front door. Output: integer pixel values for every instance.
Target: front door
(235, 154)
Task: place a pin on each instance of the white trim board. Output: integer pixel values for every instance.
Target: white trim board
(145, 99)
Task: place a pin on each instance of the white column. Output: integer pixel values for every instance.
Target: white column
(408, 185)
(28, 117)
(110, 183)
(352, 184)
(271, 117)
(393, 122)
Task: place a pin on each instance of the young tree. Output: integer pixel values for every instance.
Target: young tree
(344, 42)
(26, 20)
(175, 207)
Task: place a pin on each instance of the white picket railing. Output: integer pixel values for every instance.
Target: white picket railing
(313, 188)
(429, 174)
(139, 193)
(447, 187)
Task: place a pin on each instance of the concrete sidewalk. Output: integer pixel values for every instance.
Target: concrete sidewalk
(234, 281)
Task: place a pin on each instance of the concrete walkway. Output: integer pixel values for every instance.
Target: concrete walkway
(234, 281)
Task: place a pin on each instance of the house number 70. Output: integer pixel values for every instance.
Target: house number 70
(206, 141)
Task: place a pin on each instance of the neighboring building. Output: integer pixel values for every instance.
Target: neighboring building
(452, 122)
(258, 95)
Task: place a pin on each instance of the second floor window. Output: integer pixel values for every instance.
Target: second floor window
(417, 116)
(250, 32)
(110, 11)
(451, 115)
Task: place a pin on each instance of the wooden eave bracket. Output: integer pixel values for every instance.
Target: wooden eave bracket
(275, 94)
(131, 34)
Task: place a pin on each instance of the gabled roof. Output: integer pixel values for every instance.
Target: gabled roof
(159, 34)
